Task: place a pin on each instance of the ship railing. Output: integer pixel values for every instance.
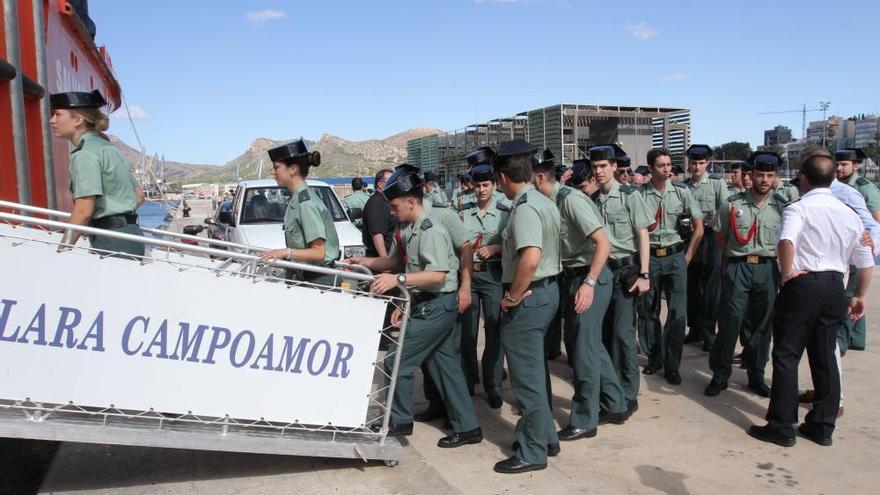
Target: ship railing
(369, 441)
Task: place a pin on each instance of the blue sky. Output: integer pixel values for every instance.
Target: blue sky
(208, 77)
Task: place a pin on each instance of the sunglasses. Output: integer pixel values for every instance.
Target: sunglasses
(625, 171)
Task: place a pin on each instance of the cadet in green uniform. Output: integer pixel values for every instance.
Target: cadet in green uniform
(626, 220)
(484, 221)
(309, 231)
(355, 202)
(735, 184)
(553, 338)
(748, 231)
(465, 194)
(704, 271)
(587, 286)
(105, 194)
(669, 201)
(786, 190)
(425, 254)
(851, 334)
(433, 193)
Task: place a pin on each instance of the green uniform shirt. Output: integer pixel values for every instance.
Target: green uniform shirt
(97, 169)
(623, 213)
(676, 199)
(488, 224)
(450, 221)
(867, 189)
(579, 218)
(533, 222)
(787, 191)
(464, 197)
(710, 193)
(437, 197)
(307, 220)
(428, 248)
(767, 218)
(356, 199)
(731, 190)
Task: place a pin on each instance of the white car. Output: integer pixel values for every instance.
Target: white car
(269, 200)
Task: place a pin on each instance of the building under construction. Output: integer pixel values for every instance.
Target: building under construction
(567, 130)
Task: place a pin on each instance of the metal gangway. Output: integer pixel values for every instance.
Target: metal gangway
(34, 406)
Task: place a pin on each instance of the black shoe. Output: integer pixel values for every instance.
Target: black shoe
(553, 449)
(693, 336)
(495, 401)
(811, 434)
(513, 465)
(631, 407)
(570, 433)
(856, 347)
(738, 359)
(767, 434)
(651, 369)
(606, 417)
(459, 439)
(758, 386)
(430, 414)
(714, 388)
(402, 430)
(673, 377)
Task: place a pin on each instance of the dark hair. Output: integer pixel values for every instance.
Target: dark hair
(380, 174)
(517, 168)
(656, 153)
(816, 172)
(357, 184)
(304, 161)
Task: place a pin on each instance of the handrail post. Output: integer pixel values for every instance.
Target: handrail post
(16, 90)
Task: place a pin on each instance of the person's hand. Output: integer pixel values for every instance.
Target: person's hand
(275, 254)
(484, 252)
(396, 316)
(687, 258)
(583, 298)
(791, 275)
(505, 304)
(856, 308)
(383, 283)
(566, 175)
(357, 260)
(866, 240)
(641, 286)
(463, 297)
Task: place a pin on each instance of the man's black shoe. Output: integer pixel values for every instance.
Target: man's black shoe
(606, 417)
(631, 407)
(651, 369)
(812, 434)
(513, 465)
(552, 448)
(459, 439)
(737, 359)
(402, 430)
(714, 388)
(673, 377)
(429, 414)
(768, 434)
(758, 386)
(495, 401)
(570, 433)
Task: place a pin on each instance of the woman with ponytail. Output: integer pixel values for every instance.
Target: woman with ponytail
(105, 194)
(309, 231)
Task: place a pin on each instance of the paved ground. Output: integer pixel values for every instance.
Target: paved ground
(680, 442)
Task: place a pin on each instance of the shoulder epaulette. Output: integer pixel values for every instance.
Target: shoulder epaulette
(715, 176)
(627, 189)
(467, 206)
(563, 192)
(737, 196)
(426, 224)
(679, 185)
(688, 181)
(502, 206)
(303, 196)
(781, 199)
(522, 200)
(861, 181)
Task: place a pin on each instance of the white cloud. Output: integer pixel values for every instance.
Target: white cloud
(675, 76)
(262, 16)
(642, 30)
(137, 113)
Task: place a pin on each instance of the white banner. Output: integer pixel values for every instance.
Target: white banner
(76, 328)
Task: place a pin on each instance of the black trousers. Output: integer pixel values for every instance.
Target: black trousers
(807, 313)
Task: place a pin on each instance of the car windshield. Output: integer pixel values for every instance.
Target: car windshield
(268, 204)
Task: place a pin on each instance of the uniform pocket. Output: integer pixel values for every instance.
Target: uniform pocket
(770, 233)
(620, 227)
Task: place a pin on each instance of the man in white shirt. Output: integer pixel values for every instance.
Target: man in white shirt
(820, 238)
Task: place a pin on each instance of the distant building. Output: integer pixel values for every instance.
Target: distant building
(777, 136)
(841, 133)
(866, 130)
(568, 130)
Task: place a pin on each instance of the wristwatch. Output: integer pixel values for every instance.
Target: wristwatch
(645, 275)
(590, 281)
(401, 278)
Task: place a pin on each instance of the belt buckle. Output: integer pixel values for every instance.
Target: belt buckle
(661, 251)
(478, 266)
(753, 259)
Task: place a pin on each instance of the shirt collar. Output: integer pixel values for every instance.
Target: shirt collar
(522, 192)
(653, 189)
(556, 187)
(614, 191)
(88, 136)
(817, 191)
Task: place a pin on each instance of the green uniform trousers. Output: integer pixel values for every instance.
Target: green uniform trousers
(595, 379)
(431, 338)
(663, 343)
(522, 338)
(619, 335)
(704, 290)
(119, 245)
(486, 295)
(554, 339)
(748, 293)
(851, 333)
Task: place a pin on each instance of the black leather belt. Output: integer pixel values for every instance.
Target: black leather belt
(482, 266)
(420, 297)
(621, 263)
(751, 259)
(542, 282)
(114, 221)
(667, 251)
(575, 271)
(821, 276)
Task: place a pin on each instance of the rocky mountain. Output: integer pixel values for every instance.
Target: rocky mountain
(339, 158)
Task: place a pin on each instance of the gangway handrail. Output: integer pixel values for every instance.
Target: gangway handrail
(167, 233)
